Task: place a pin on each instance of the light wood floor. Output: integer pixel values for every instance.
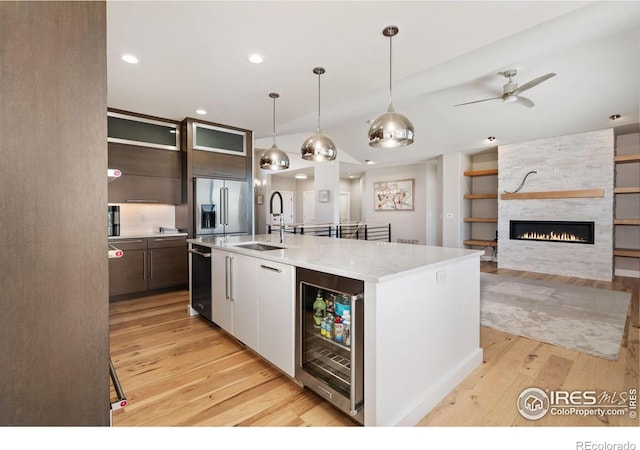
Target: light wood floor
(178, 370)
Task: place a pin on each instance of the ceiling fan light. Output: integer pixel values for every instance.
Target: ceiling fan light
(319, 147)
(511, 99)
(391, 130)
(274, 159)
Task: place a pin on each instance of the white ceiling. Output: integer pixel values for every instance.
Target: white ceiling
(194, 55)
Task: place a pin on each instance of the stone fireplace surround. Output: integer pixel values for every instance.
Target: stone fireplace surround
(573, 162)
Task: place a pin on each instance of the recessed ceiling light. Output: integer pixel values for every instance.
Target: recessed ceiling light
(368, 161)
(256, 59)
(201, 111)
(130, 59)
(301, 176)
(491, 138)
(614, 117)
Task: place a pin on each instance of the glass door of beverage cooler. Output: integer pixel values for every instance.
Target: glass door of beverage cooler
(330, 336)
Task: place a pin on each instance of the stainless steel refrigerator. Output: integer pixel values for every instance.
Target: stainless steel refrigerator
(221, 207)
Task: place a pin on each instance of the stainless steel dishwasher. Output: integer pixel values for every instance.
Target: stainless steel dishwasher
(200, 294)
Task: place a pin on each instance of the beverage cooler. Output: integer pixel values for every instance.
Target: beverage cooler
(330, 339)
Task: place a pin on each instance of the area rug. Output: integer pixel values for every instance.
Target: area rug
(584, 319)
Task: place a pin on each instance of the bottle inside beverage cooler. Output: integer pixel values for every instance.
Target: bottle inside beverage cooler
(319, 310)
(338, 330)
(343, 303)
(328, 330)
(346, 332)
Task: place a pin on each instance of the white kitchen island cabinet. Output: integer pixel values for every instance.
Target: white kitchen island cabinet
(235, 295)
(276, 314)
(421, 313)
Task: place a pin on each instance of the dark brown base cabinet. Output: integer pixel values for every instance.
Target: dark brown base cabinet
(147, 266)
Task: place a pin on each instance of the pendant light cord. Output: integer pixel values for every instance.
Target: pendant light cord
(390, 65)
(319, 103)
(274, 121)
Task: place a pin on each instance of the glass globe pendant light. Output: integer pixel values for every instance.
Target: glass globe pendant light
(319, 147)
(274, 158)
(391, 129)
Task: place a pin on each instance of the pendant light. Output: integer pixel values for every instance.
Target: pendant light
(391, 129)
(319, 147)
(274, 158)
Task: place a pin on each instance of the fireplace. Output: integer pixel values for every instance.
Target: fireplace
(552, 231)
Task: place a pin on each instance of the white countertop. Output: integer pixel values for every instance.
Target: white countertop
(372, 261)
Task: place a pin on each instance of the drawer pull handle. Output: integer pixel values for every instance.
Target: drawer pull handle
(271, 268)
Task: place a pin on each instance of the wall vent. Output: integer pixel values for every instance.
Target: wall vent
(407, 241)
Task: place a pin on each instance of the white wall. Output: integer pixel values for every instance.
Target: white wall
(434, 205)
(409, 225)
(454, 210)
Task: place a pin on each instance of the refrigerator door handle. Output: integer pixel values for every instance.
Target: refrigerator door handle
(222, 206)
(226, 203)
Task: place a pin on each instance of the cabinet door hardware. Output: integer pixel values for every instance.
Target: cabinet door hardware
(206, 255)
(271, 268)
(141, 201)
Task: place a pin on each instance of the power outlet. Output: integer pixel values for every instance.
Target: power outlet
(441, 277)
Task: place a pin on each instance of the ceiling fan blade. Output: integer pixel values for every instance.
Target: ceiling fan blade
(478, 101)
(533, 83)
(525, 102)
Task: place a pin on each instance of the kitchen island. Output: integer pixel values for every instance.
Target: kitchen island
(421, 323)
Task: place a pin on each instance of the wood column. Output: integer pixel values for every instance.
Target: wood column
(54, 327)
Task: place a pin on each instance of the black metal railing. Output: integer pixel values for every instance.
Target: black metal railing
(348, 230)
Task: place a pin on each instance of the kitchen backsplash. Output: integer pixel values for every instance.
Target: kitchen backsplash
(145, 218)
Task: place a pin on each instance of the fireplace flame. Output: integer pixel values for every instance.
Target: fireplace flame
(552, 236)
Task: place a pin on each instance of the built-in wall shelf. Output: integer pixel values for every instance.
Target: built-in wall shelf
(481, 219)
(480, 196)
(581, 193)
(630, 177)
(626, 221)
(627, 158)
(627, 190)
(481, 202)
(628, 252)
(481, 173)
(480, 242)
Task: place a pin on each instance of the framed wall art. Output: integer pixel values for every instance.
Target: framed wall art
(393, 195)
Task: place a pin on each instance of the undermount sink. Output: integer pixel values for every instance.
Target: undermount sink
(258, 246)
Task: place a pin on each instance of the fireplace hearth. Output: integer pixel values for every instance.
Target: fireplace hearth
(552, 231)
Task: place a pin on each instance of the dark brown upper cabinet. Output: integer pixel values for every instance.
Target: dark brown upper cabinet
(218, 150)
(146, 150)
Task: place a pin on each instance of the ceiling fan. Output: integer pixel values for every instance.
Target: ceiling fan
(511, 91)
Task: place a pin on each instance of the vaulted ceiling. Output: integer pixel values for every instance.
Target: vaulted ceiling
(194, 55)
